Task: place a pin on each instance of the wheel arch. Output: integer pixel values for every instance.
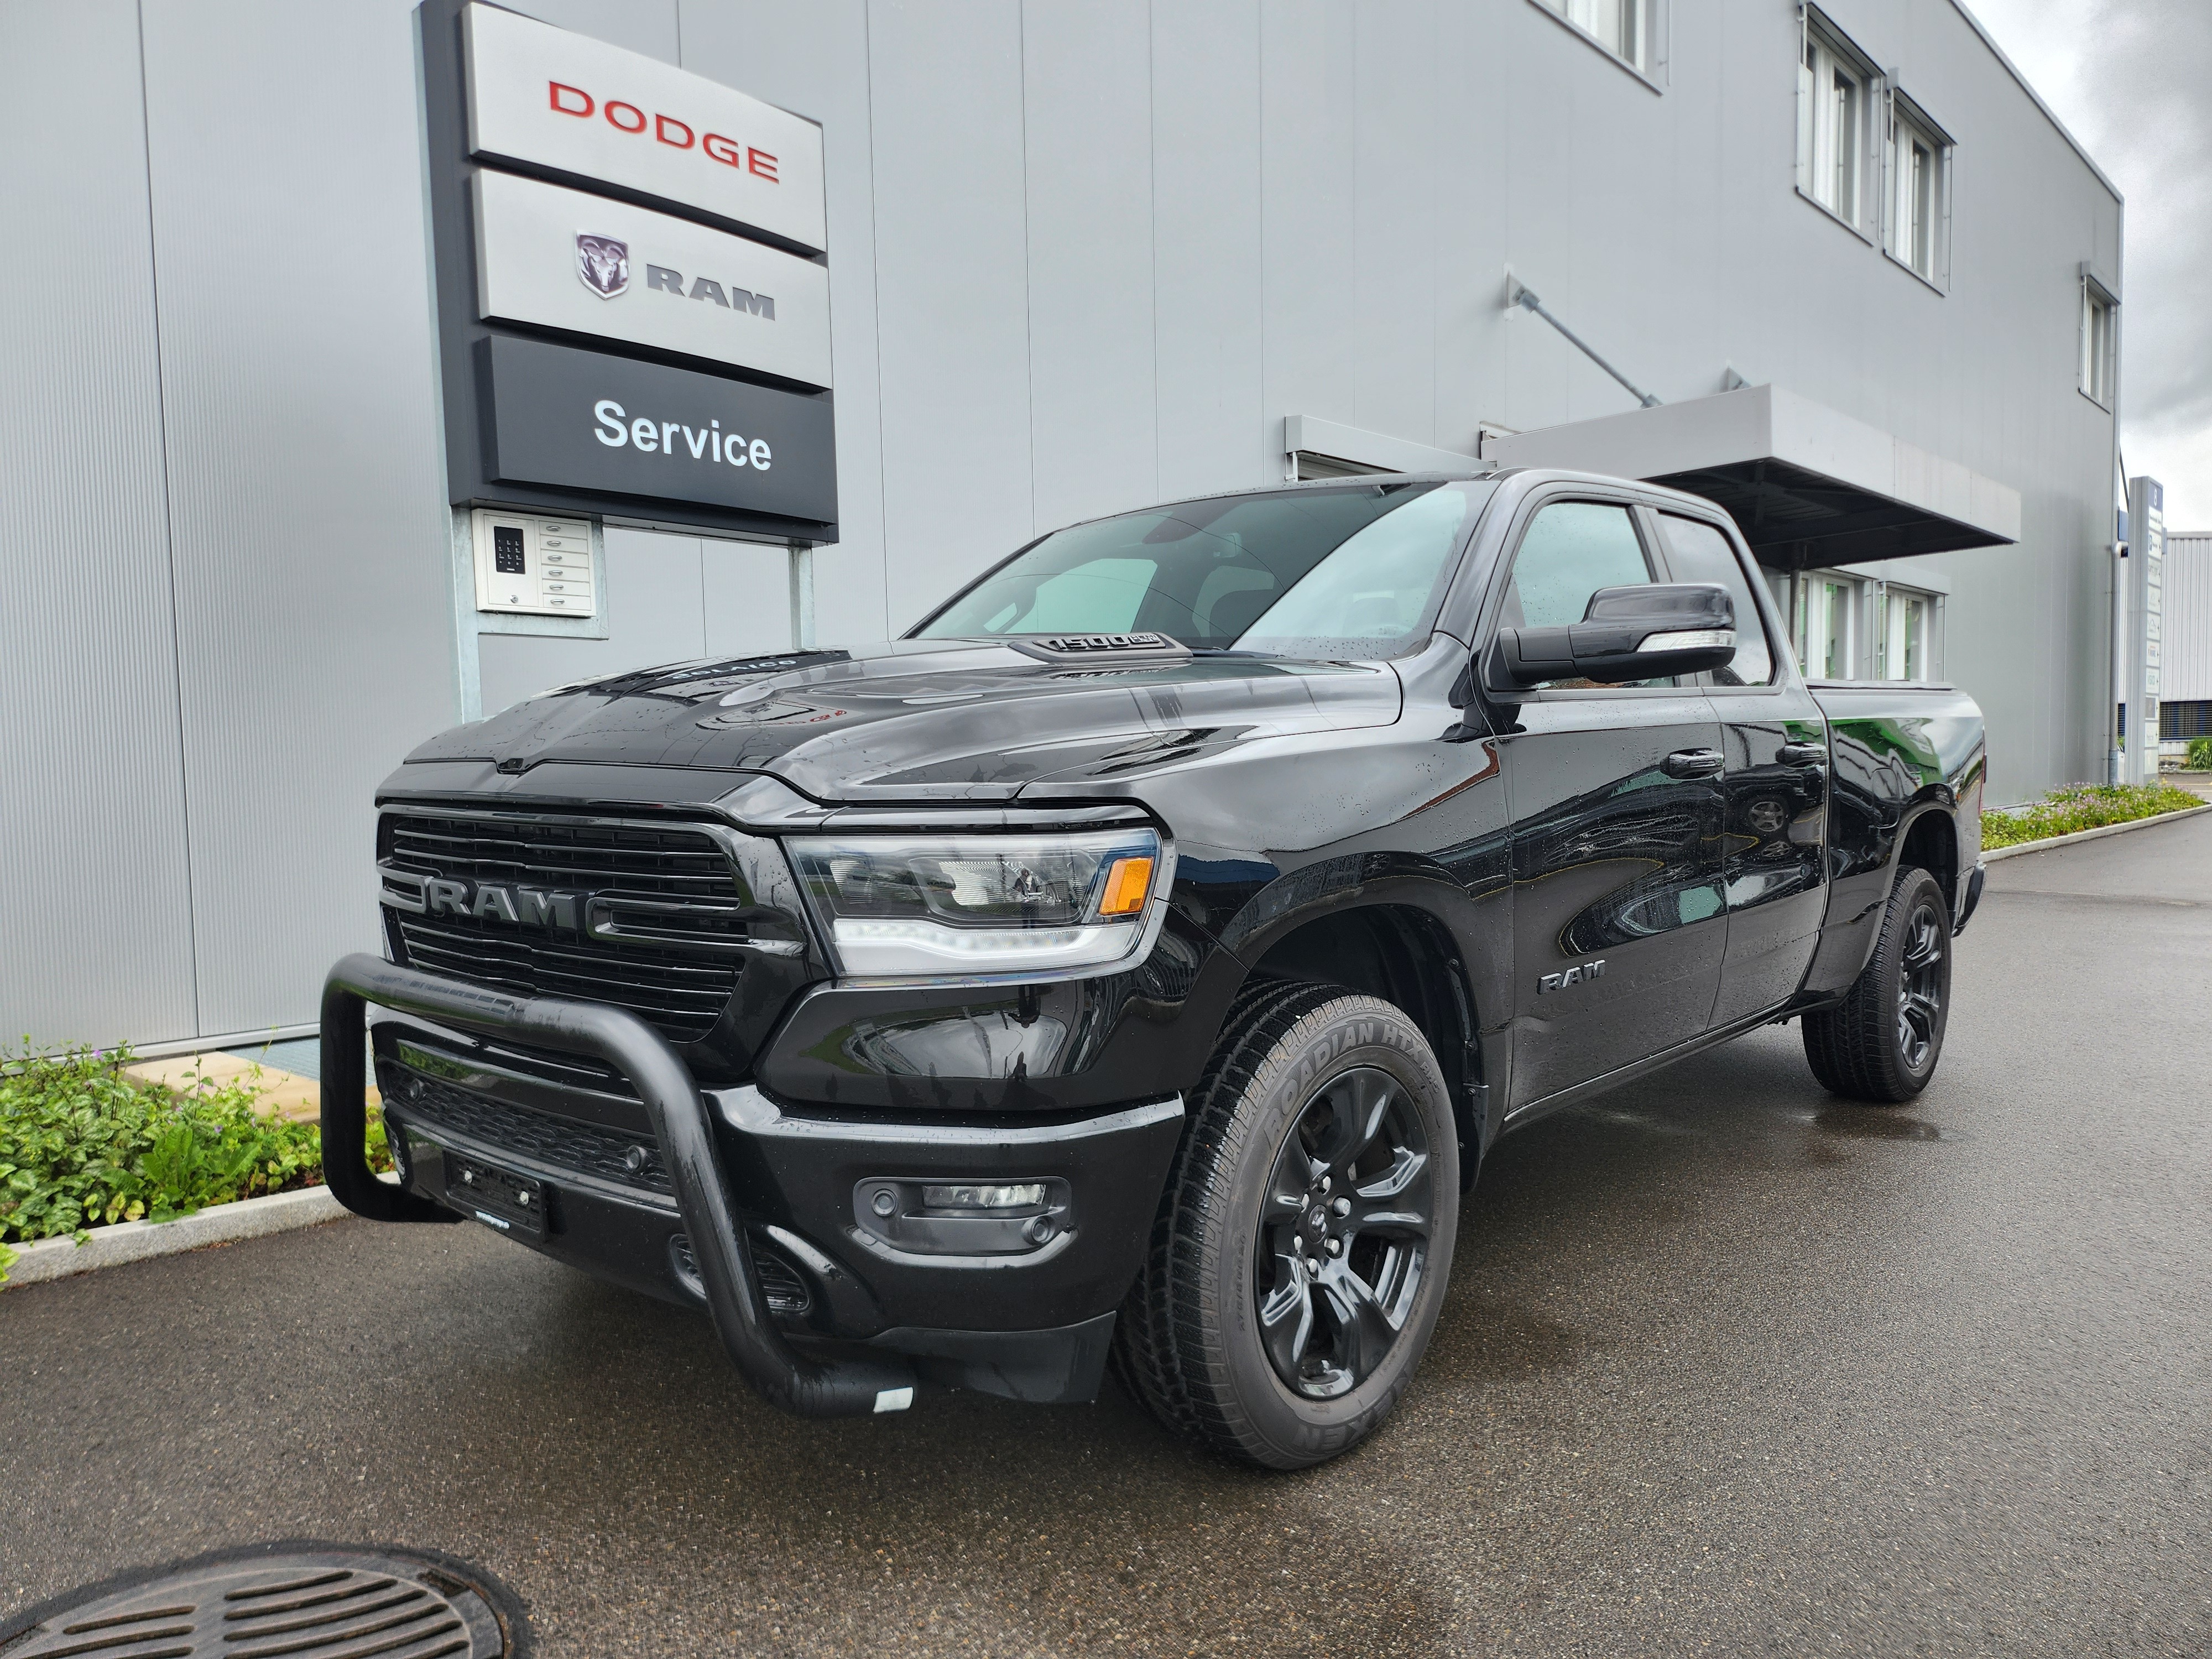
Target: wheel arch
(1403, 954)
(1930, 841)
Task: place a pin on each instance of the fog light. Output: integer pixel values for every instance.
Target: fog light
(983, 1198)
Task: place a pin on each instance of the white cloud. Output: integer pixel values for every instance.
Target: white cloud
(2132, 80)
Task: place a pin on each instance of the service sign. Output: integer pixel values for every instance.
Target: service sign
(615, 426)
(543, 97)
(561, 259)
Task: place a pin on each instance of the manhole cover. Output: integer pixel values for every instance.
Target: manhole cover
(303, 1601)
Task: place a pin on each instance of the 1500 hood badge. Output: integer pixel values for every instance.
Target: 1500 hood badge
(1574, 976)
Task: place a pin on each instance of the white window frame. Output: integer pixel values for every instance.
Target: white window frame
(1825, 54)
(1905, 126)
(1891, 601)
(1650, 22)
(2099, 366)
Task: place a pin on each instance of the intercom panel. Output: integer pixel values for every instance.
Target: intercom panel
(535, 565)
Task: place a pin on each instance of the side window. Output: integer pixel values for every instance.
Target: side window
(1569, 551)
(1700, 553)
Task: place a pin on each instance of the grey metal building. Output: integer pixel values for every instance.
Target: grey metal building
(1083, 257)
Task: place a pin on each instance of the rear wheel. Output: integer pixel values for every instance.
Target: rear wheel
(1304, 1242)
(1882, 1043)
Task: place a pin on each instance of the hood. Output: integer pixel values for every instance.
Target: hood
(924, 719)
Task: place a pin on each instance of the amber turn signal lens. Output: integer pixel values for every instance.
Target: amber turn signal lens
(1127, 885)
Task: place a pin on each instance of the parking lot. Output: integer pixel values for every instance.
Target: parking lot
(1728, 1366)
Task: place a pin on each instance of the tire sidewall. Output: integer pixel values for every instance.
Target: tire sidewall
(1352, 1033)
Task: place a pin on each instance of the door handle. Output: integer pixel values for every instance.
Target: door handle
(1801, 754)
(1691, 764)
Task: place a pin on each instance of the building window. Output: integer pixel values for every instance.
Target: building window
(1836, 86)
(1826, 626)
(1629, 29)
(1905, 644)
(2100, 341)
(1917, 158)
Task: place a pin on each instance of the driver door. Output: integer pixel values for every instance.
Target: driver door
(1621, 920)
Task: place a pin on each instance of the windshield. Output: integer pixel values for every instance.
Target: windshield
(1342, 572)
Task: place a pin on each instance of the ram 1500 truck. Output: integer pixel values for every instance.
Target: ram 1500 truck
(1133, 965)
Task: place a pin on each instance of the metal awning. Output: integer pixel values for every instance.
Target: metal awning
(1809, 486)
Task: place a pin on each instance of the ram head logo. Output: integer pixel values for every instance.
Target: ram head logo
(603, 263)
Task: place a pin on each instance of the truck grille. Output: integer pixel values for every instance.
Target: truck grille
(678, 988)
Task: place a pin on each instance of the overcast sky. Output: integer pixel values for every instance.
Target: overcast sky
(2132, 80)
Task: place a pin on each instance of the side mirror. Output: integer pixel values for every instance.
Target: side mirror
(1645, 633)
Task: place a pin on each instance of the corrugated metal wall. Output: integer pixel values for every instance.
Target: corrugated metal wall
(1083, 256)
(95, 895)
(2185, 630)
(303, 512)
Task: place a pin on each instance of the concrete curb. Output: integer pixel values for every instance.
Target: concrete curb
(2102, 830)
(137, 1241)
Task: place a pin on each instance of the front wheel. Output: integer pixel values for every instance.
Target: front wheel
(1882, 1043)
(1300, 1256)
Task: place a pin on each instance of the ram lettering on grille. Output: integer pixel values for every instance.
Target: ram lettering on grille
(526, 906)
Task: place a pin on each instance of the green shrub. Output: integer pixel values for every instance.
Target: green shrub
(2200, 754)
(83, 1145)
(2083, 806)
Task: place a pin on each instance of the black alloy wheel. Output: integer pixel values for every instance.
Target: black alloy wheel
(1920, 987)
(1344, 1237)
(1304, 1242)
(1882, 1043)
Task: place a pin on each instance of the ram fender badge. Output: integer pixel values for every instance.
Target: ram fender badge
(1574, 976)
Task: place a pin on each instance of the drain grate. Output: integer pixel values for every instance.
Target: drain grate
(301, 1601)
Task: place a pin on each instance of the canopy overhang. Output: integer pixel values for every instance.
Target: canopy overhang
(1809, 486)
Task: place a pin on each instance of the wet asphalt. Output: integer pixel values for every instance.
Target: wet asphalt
(1729, 1366)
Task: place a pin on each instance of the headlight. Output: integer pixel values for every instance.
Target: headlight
(962, 906)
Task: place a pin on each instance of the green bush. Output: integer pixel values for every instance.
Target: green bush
(2083, 806)
(2200, 754)
(83, 1145)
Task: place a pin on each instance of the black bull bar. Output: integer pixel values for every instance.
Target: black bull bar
(803, 1386)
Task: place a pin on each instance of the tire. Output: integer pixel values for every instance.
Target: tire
(1283, 1334)
(1882, 1043)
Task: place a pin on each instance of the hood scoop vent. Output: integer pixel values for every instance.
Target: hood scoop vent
(1085, 650)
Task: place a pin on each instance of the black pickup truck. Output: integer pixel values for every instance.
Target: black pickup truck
(1133, 963)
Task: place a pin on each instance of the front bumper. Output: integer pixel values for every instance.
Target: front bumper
(621, 1043)
(1022, 1308)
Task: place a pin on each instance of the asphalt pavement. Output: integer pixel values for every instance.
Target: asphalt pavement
(1729, 1366)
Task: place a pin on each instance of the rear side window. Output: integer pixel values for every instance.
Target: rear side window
(1700, 553)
